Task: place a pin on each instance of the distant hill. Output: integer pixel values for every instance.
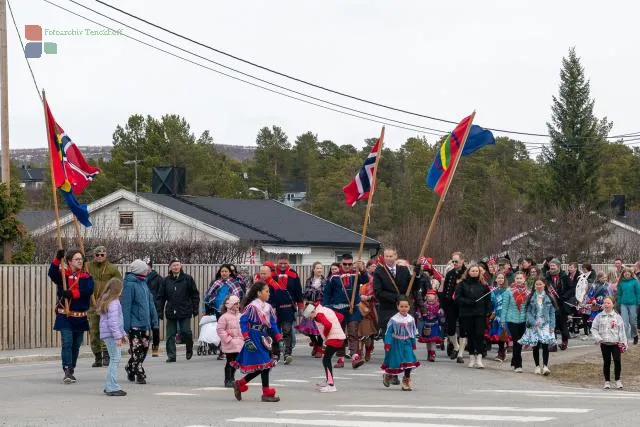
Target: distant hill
(40, 156)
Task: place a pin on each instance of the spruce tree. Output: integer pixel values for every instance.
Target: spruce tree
(576, 136)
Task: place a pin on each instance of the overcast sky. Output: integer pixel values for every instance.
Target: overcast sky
(441, 59)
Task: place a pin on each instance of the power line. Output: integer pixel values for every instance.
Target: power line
(299, 80)
(242, 80)
(257, 78)
(33, 77)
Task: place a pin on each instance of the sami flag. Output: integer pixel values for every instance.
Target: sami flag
(71, 172)
(361, 186)
(79, 210)
(440, 169)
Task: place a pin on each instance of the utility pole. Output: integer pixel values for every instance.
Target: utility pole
(4, 114)
(135, 168)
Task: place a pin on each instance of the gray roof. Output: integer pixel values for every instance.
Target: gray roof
(35, 219)
(32, 174)
(262, 220)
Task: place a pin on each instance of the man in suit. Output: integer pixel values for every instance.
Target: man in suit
(389, 281)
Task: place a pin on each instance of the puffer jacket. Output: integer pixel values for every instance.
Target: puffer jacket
(178, 297)
(468, 292)
(511, 313)
(138, 308)
(228, 327)
(628, 291)
(111, 322)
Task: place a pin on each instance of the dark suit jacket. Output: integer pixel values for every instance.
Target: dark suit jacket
(386, 293)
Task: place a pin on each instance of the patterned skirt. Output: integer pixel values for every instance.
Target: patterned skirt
(497, 333)
(308, 327)
(429, 331)
(538, 334)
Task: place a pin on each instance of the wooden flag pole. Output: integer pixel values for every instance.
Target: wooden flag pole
(363, 237)
(55, 201)
(434, 218)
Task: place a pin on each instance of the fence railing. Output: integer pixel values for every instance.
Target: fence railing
(27, 299)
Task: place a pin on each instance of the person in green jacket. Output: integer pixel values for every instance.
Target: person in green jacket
(102, 271)
(628, 300)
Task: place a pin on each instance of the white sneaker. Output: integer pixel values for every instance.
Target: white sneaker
(328, 389)
(472, 361)
(607, 385)
(537, 371)
(518, 370)
(619, 385)
(321, 384)
(479, 364)
(545, 371)
(584, 338)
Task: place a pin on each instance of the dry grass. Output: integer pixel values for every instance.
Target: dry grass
(586, 370)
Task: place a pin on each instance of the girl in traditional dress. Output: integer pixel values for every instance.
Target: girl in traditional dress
(593, 299)
(399, 344)
(498, 334)
(541, 324)
(431, 316)
(312, 294)
(259, 329)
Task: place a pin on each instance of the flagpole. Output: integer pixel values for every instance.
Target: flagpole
(55, 201)
(436, 214)
(363, 236)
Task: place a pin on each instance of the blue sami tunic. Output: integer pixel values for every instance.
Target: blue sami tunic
(80, 284)
(258, 322)
(337, 294)
(401, 336)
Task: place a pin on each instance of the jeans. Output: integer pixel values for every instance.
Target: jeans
(629, 313)
(71, 342)
(173, 325)
(115, 355)
(611, 351)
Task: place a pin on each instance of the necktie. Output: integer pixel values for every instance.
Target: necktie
(393, 272)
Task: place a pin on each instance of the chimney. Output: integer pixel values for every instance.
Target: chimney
(618, 204)
(168, 180)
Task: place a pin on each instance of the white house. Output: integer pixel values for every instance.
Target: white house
(271, 226)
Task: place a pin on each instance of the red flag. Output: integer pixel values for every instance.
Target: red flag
(364, 182)
(71, 172)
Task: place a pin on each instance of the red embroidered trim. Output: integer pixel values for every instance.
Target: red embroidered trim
(403, 366)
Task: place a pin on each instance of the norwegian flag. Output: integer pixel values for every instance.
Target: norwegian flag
(364, 182)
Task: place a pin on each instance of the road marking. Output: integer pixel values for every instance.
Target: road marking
(477, 408)
(292, 381)
(337, 423)
(366, 375)
(559, 393)
(597, 396)
(175, 393)
(335, 378)
(212, 389)
(422, 415)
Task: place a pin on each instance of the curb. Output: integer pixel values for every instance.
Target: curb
(38, 358)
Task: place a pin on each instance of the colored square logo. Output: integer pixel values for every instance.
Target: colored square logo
(33, 33)
(50, 48)
(33, 50)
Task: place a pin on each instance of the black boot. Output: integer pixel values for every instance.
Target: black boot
(105, 358)
(73, 377)
(98, 362)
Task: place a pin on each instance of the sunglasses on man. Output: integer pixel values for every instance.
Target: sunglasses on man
(100, 255)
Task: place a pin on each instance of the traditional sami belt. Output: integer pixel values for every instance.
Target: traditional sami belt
(71, 313)
(259, 328)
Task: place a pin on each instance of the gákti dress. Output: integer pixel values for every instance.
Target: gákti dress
(258, 323)
(401, 336)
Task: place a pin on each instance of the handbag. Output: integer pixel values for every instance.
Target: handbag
(364, 309)
(267, 342)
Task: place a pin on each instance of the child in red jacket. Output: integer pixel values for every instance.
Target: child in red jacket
(329, 325)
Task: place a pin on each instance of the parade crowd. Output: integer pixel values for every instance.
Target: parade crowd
(469, 309)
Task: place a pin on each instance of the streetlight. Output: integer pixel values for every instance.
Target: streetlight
(257, 190)
(135, 163)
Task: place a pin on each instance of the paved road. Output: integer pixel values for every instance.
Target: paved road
(189, 393)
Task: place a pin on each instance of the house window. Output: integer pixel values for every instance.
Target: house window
(126, 219)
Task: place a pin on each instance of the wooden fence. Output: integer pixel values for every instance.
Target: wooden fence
(27, 298)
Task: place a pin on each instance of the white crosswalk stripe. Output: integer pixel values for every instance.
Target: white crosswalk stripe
(604, 394)
(413, 416)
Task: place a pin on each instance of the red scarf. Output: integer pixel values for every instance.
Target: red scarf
(283, 276)
(520, 293)
(276, 285)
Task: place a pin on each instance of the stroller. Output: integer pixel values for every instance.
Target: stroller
(208, 339)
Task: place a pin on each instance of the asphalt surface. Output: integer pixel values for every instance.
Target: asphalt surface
(190, 393)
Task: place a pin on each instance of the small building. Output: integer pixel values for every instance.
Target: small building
(272, 227)
(295, 193)
(31, 178)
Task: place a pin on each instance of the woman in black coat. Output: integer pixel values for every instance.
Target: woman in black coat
(474, 305)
